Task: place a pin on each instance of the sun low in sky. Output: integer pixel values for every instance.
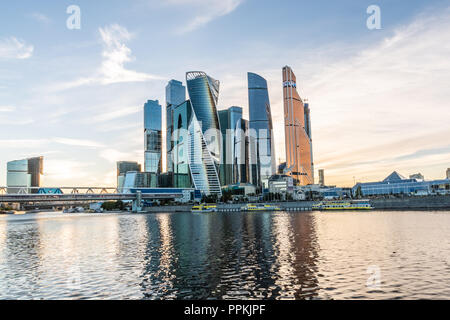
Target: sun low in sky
(379, 97)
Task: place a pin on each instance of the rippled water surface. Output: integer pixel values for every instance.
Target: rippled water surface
(226, 256)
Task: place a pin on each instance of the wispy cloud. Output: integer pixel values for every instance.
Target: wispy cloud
(40, 17)
(114, 114)
(13, 48)
(208, 10)
(22, 143)
(115, 55)
(78, 142)
(113, 155)
(7, 109)
(8, 117)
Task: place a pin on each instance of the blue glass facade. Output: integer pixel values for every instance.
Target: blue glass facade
(182, 116)
(175, 95)
(153, 136)
(230, 121)
(262, 149)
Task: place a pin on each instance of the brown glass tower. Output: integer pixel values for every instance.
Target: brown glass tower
(299, 158)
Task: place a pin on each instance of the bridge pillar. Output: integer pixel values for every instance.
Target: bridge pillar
(137, 203)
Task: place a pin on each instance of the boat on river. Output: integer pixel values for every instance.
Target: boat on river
(204, 208)
(260, 207)
(343, 205)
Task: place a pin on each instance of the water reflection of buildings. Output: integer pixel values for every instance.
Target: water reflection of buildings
(296, 256)
(231, 256)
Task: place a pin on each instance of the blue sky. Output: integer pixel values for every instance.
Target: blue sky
(379, 98)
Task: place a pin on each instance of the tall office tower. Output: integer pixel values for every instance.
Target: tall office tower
(182, 116)
(299, 158)
(262, 149)
(175, 95)
(204, 132)
(123, 167)
(24, 174)
(152, 132)
(229, 120)
(322, 177)
(448, 173)
(241, 164)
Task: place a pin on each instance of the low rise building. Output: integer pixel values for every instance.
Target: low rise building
(241, 189)
(396, 184)
(280, 183)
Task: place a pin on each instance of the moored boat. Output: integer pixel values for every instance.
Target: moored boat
(343, 205)
(204, 208)
(260, 207)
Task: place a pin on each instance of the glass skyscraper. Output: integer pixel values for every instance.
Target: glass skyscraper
(299, 156)
(241, 164)
(230, 121)
(262, 149)
(152, 132)
(182, 117)
(204, 132)
(175, 95)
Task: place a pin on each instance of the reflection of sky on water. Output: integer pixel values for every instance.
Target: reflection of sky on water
(224, 256)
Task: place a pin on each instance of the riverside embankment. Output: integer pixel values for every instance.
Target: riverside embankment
(413, 203)
(407, 203)
(287, 206)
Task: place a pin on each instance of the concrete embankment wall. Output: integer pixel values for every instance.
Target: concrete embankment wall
(413, 203)
(288, 206)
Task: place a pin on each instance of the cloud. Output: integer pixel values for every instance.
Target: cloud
(385, 107)
(40, 17)
(78, 142)
(13, 48)
(22, 143)
(115, 55)
(7, 109)
(113, 155)
(114, 114)
(60, 171)
(208, 11)
(9, 118)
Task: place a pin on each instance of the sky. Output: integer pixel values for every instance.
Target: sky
(379, 98)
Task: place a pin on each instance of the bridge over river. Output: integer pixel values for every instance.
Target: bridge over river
(61, 195)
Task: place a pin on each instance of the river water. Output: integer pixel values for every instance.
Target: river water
(305, 255)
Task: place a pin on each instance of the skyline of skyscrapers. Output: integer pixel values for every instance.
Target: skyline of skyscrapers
(262, 149)
(209, 148)
(215, 148)
(299, 156)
